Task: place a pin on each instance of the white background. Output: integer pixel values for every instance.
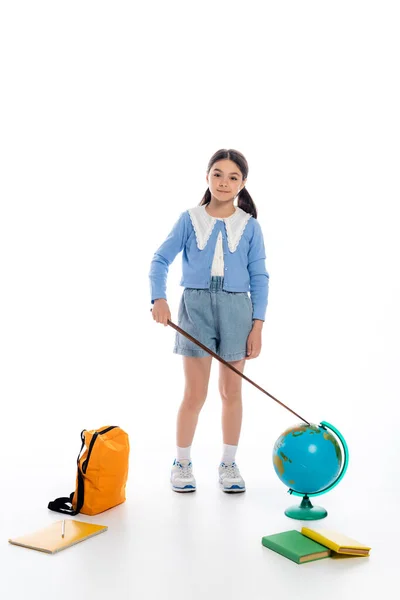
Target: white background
(109, 114)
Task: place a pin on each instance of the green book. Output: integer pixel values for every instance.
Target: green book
(295, 546)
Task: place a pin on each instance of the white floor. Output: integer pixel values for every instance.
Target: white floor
(161, 544)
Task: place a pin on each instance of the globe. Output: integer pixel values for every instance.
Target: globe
(309, 460)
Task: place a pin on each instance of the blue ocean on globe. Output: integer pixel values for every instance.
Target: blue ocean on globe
(307, 458)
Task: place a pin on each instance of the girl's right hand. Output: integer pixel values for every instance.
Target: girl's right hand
(161, 312)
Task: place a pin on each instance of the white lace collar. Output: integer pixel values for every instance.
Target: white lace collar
(203, 225)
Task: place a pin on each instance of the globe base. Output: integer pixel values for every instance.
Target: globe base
(305, 511)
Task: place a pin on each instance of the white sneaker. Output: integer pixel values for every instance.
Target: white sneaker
(230, 479)
(182, 479)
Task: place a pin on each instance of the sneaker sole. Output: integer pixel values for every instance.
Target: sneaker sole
(235, 489)
(185, 489)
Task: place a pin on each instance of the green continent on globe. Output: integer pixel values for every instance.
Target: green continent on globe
(279, 460)
(279, 464)
(300, 429)
(294, 430)
(328, 436)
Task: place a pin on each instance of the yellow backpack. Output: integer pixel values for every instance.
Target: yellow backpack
(102, 473)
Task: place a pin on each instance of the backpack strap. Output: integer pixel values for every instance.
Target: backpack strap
(64, 504)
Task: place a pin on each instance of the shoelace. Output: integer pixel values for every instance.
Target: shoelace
(231, 471)
(186, 470)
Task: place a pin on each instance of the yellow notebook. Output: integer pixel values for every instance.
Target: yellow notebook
(342, 544)
(51, 538)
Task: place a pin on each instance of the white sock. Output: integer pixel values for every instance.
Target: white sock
(229, 453)
(183, 453)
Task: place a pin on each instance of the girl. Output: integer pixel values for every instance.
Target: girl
(223, 258)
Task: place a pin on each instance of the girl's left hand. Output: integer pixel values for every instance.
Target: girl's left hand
(253, 344)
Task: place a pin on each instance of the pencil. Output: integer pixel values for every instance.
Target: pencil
(63, 529)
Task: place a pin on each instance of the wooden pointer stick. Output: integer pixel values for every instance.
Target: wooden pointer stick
(187, 335)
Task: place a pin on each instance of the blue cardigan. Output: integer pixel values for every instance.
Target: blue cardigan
(244, 268)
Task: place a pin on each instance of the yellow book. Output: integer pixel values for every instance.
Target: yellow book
(58, 536)
(342, 544)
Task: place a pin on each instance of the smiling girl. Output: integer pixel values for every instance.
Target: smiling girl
(223, 259)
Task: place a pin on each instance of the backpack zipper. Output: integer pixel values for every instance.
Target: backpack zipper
(94, 438)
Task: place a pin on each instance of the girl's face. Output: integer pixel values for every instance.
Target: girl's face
(225, 180)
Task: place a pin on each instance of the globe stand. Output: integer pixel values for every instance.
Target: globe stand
(306, 511)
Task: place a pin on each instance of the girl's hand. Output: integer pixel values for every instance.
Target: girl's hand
(161, 312)
(254, 343)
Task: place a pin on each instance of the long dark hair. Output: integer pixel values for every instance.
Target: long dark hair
(245, 201)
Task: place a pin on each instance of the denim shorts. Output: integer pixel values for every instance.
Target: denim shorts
(220, 320)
